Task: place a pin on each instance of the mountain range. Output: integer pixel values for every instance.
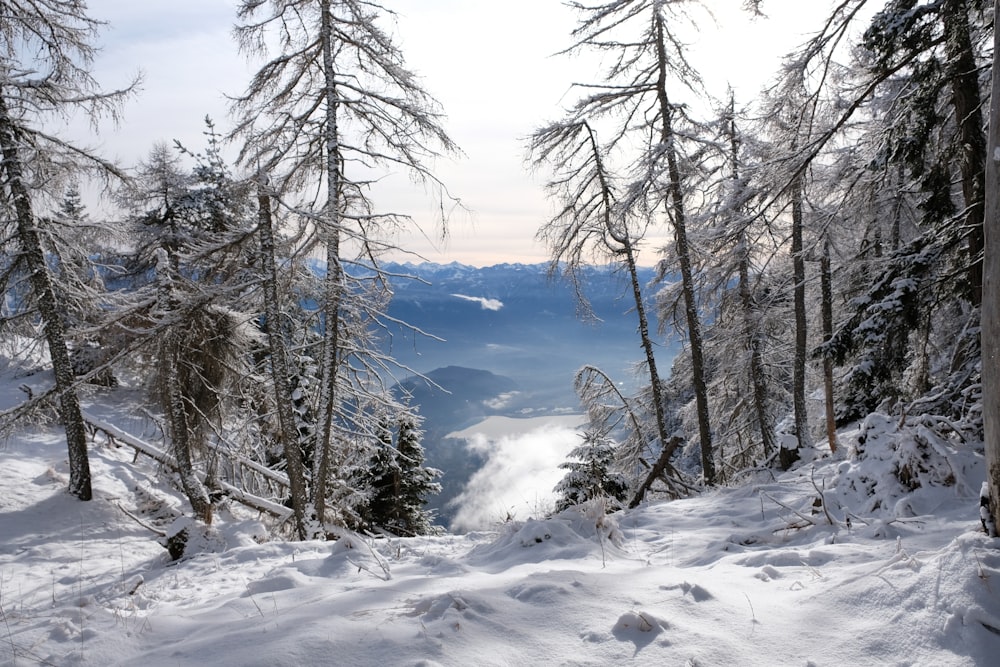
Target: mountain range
(503, 340)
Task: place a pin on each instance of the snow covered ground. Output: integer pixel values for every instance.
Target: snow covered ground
(757, 575)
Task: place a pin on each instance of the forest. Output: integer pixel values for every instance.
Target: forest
(829, 256)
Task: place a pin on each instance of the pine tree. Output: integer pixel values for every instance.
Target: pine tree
(400, 483)
(592, 474)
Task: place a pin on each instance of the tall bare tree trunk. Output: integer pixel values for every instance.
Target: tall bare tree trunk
(787, 456)
(279, 369)
(751, 328)
(333, 281)
(667, 445)
(826, 289)
(48, 308)
(991, 294)
(173, 391)
(677, 215)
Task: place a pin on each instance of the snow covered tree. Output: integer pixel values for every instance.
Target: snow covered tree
(591, 224)
(320, 118)
(400, 484)
(592, 474)
(633, 100)
(746, 383)
(193, 227)
(46, 51)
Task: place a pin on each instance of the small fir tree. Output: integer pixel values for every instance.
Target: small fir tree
(401, 484)
(590, 475)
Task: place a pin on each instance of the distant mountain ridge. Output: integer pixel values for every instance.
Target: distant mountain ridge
(513, 342)
(513, 320)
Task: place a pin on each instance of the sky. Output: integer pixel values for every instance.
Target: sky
(490, 65)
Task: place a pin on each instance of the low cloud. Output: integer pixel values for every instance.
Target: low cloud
(502, 401)
(518, 477)
(487, 304)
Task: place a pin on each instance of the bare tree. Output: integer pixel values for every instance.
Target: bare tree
(592, 225)
(633, 100)
(45, 54)
(279, 366)
(335, 105)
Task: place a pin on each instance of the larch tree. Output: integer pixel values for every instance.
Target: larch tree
(745, 385)
(192, 228)
(46, 50)
(321, 117)
(632, 106)
(591, 224)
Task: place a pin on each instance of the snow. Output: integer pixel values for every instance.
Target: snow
(755, 575)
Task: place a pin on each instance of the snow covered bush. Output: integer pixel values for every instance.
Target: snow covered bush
(896, 465)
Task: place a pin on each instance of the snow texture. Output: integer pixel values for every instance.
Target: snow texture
(803, 569)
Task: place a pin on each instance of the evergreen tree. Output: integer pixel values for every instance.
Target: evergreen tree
(592, 474)
(400, 483)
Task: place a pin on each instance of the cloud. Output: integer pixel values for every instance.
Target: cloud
(487, 304)
(502, 401)
(518, 477)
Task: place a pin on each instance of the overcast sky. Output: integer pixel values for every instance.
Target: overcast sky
(490, 64)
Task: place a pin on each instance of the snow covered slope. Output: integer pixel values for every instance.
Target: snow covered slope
(758, 575)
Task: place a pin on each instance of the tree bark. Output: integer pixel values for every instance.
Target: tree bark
(173, 391)
(991, 294)
(826, 288)
(677, 216)
(48, 308)
(788, 456)
(967, 105)
(279, 369)
(757, 379)
(333, 281)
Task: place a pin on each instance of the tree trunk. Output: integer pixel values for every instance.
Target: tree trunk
(826, 288)
(677, 215)
(180, 435)
(757, 378)
(787, 456)
(667, 446)
(173, 390)
(991, 295)
(48, 308)
(279, 370)
(969, 117)
(333, 281)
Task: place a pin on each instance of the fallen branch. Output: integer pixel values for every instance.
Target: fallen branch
(151, 528)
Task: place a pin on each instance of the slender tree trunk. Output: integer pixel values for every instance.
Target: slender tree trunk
(991, 295)
(826, 288)
(173, 389)
(757, 378)
(677, 215)
(667, 445)
(48, 308)
(621, 236)
(180, 434)
(967, 105)
(333, 282)
(279, 369)
(788, 456)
